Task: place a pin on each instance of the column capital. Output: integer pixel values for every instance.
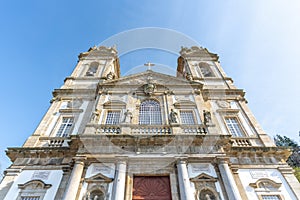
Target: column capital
(79, 159)
(181, 160)
(12, 171)
(121, 160)
(222, 160)
(234, 168)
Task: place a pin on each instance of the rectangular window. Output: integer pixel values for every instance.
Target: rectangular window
(113, 117)
(65, 127)
(270, 197)
(187, 117)
(30, 198)
(234, 126)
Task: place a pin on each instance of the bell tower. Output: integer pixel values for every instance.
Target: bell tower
(98, 62)
(197, 63)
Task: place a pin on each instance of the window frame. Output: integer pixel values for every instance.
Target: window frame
(192, 114)
(33, 189)
(243, 132)
(157, 116)
(59, 125)
(106, 116)
(90, 65)
(203, 65)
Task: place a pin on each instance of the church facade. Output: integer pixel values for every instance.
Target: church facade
(148, 136)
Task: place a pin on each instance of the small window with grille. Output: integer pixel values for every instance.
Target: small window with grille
(234, 127)
(270, 197)
(187, 117)
(113, 117)
(30, 198)
(65, 127)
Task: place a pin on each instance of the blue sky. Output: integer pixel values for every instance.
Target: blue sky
(257, 41)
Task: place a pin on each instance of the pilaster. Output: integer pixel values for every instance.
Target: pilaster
(227, 177)
(75, 178)
(118, 192)
(183, 179)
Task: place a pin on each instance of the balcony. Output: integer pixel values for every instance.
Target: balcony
(134, 129)
(245, 141)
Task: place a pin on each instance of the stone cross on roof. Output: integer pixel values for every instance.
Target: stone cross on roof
(149, 65)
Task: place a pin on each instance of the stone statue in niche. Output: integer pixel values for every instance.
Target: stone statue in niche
(173, 117)
(127, 117)
(206, 117)
(110, 76)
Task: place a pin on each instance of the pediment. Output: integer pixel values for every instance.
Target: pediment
(203, 178)
(114, 103)
(149, 76)
(265, 183)
(99, 51)
(98, 178)
(184, 103)
(34, 184)
(198, 52)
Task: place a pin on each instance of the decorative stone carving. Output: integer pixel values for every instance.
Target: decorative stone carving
(75, 103)
(189, 77)
(41, 175)
(205, 187)
(266, 184)
(199, 52)
(201, 168)
(223, 104)
(149, 88)
(258, 174)
(110, 76)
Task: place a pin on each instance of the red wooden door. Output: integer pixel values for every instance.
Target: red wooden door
(151, 188)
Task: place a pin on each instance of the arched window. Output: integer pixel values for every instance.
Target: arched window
(206, 70)
(150, 112)
(92, 69)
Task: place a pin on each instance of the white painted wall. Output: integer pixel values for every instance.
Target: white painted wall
(248, 176)
(54, 179)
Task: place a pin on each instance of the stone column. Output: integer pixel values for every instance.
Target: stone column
(118, 192)
(184, 181)
(74, 180)
(229, 183)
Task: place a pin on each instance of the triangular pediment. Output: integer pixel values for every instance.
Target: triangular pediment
(98, 178)
(150, 76)
(203, 177)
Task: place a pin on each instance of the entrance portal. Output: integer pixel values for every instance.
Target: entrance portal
(151, 188)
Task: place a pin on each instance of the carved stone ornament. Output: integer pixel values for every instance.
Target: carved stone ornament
(75, 103)
(149, 88)
(189, 77)
(223, 104)
(110, 76)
